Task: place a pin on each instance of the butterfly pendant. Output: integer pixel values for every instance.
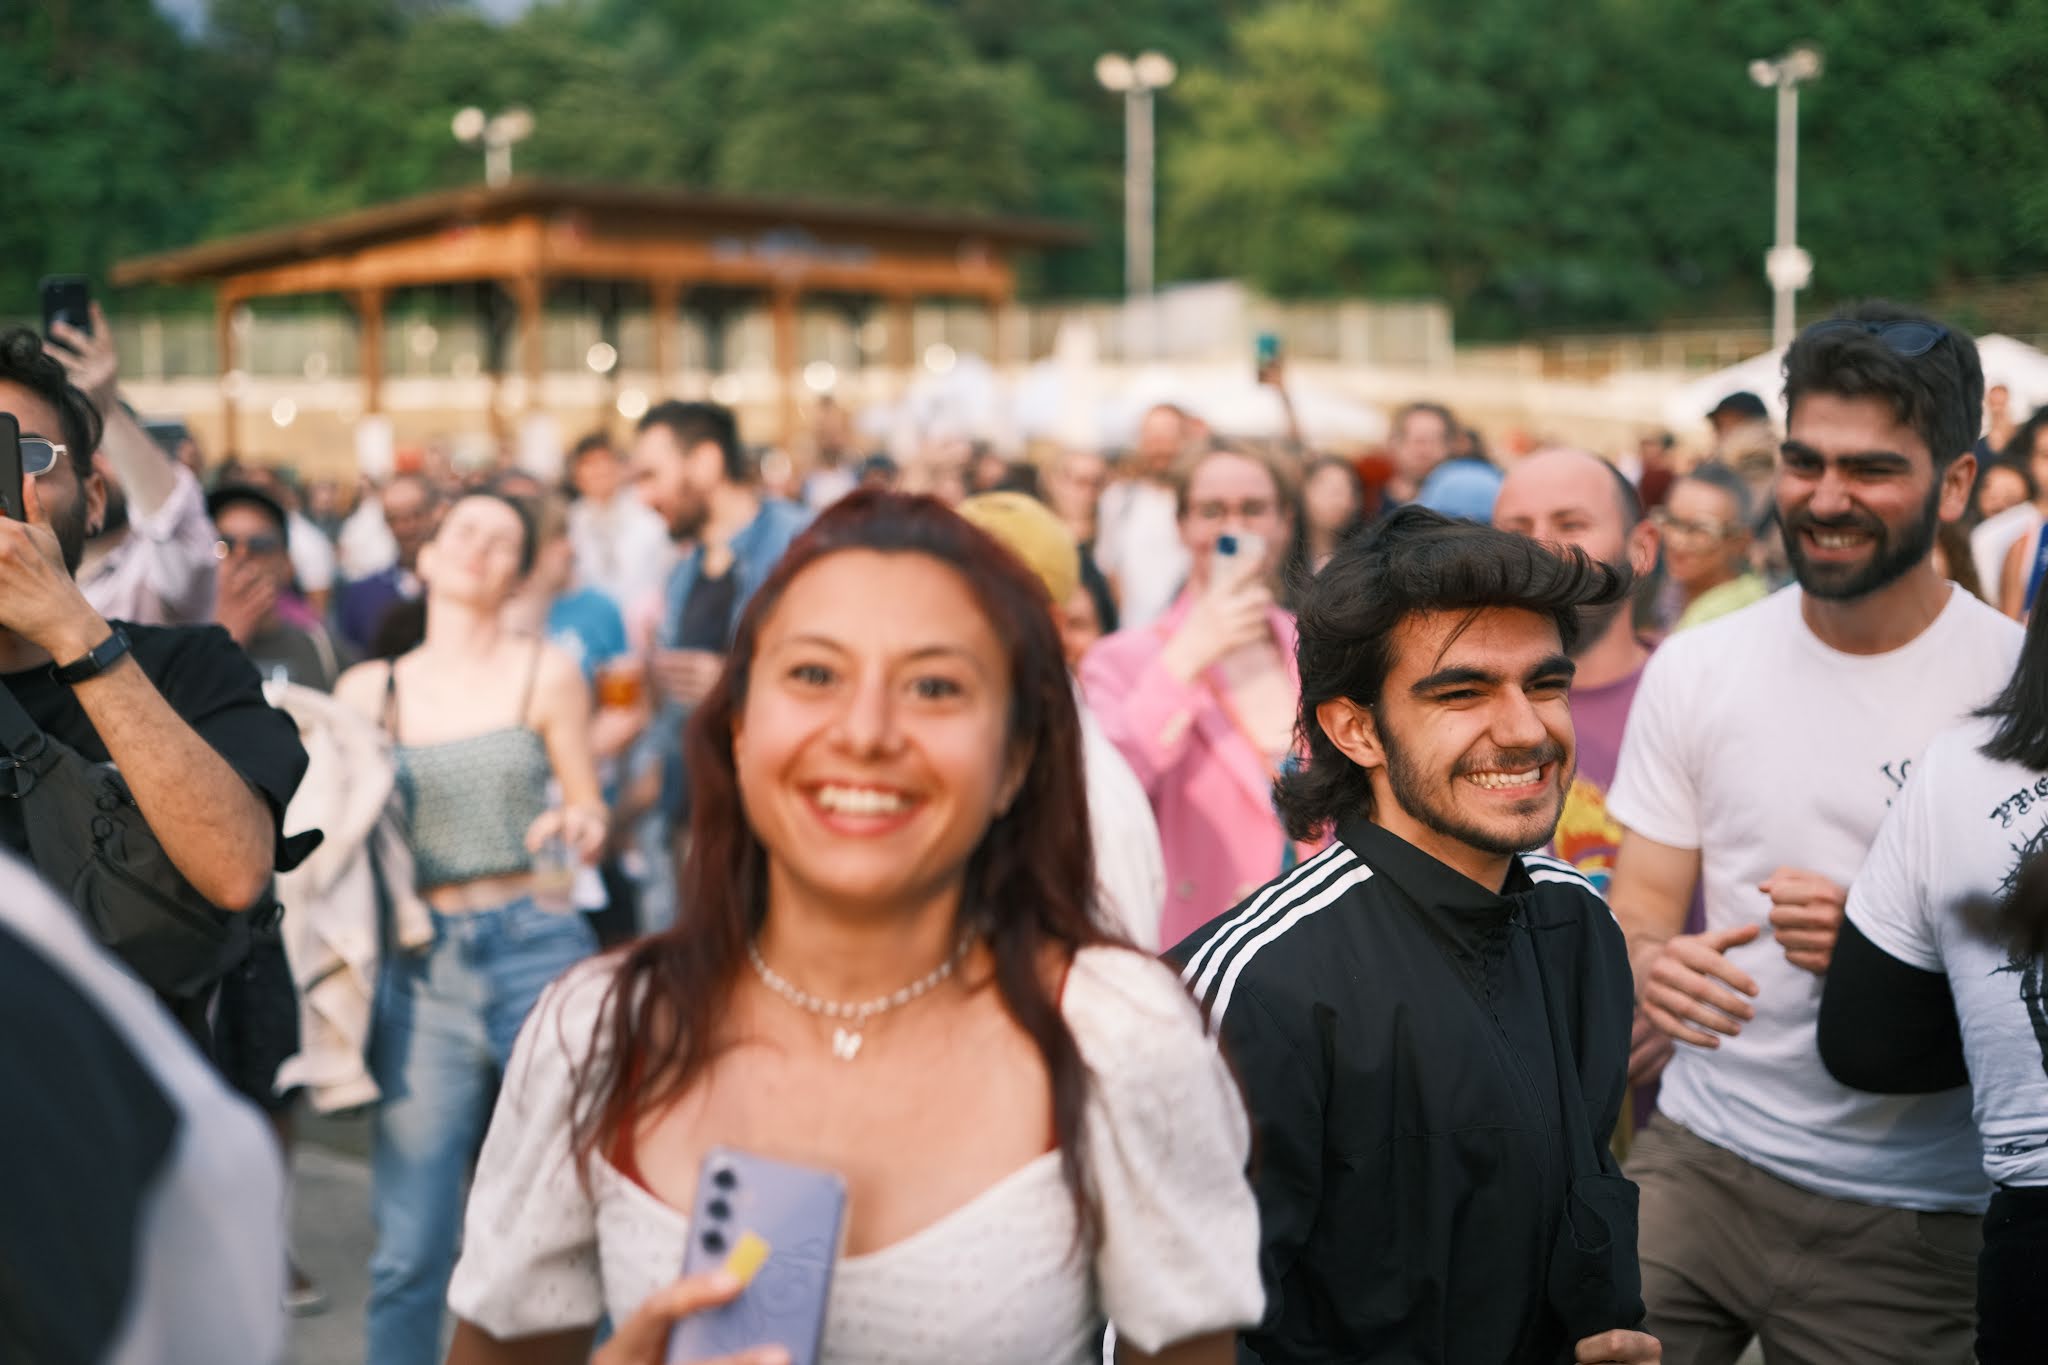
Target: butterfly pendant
(845, 1045)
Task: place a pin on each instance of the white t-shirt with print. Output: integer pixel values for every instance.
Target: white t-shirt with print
(1762, 747)
(1962, 828)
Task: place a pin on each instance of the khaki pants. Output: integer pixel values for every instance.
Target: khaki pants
(1729, 1251)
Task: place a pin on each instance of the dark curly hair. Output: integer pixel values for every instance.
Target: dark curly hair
(1939, 393)
(23, 361)
(1415, 561)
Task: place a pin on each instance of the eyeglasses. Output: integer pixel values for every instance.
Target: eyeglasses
(1251, 509)
(1908, 339)
(1706, 530)
(255, 545)
(39, 454)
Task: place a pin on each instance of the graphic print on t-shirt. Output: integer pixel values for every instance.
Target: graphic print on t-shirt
(2033, 989)
(1587, 836)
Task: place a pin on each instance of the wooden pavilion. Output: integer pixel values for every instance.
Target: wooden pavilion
(684, 249)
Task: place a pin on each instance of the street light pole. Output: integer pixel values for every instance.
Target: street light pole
(1788, 267)
(498, 134)
(1138, 171)
(1136, 80)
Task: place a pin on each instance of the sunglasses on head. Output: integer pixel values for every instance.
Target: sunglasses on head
(39, 454)
(1908, 339)
(255, 545)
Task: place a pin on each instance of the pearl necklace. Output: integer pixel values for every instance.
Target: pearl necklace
(846, 1041)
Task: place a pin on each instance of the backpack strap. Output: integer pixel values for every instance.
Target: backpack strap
(23, 741)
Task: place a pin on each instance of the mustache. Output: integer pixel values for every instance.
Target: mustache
(1848, 521)
(1511, 760)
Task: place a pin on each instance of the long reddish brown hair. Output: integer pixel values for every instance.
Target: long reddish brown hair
(1030, 882)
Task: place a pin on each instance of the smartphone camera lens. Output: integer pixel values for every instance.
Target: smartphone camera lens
(719, 1209)
(714, 1242)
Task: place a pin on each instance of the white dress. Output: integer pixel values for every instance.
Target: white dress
(996, 1282)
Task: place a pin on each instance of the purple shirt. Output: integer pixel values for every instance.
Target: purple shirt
(1587, 836)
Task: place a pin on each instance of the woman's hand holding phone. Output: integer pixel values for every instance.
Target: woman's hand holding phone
(643, 1339)
(1232, 614)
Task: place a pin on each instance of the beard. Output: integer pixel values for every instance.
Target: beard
(115, 518)
(688, 523)
(1594, 620)
(1889, 561)
(1432, 802)
(67, 523)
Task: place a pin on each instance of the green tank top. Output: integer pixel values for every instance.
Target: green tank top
(469, 802)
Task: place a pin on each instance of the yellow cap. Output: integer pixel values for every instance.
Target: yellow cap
(1028, 529)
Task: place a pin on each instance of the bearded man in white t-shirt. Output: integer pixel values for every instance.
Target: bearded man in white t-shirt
(1762, 752)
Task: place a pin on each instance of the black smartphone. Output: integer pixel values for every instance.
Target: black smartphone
(66, 298)
(10, 467)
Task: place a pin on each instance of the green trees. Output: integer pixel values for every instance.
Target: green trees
(874, 99)
(1583, 162)
(1541, 163)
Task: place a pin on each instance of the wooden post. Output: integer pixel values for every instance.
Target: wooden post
(369, 304)
(902, 320)
(530, 293)
(784, 312)
(490, 305)
(666, 293)
(224, 303)
(998, 316)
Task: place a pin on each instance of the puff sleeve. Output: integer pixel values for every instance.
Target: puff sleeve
(529, 1238)
(1167, 1141)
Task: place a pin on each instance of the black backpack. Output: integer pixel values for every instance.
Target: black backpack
(88, 839)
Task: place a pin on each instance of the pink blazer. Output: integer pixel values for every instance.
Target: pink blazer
(1211, 792)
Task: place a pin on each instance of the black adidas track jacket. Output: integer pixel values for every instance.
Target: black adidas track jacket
(1385, 1018)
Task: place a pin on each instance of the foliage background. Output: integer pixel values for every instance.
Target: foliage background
(1542, 164)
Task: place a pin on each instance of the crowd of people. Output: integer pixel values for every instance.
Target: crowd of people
(1524, 911)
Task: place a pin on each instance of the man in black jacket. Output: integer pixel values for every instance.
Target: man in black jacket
(1431, 1024)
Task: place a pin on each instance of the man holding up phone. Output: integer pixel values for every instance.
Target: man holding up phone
(179, 711)
(151, 561)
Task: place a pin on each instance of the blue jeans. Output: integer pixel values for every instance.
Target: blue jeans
(443, 1033)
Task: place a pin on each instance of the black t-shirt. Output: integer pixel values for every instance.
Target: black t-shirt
(209, 682)
(707, 613)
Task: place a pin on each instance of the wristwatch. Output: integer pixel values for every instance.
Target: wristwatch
(96, 661)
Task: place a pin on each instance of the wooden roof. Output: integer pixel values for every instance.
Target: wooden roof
(646, 214)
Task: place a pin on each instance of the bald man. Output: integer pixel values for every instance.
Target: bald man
(1568, 497)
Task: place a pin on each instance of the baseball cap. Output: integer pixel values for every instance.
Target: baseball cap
(229, 494)
(1742, 403)
(1028, 529)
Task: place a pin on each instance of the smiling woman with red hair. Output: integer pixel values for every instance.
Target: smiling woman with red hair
(887, 968)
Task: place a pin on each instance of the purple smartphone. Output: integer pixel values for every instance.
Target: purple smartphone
(800, 1213)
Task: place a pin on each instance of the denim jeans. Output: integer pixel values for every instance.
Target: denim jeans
(443, 1033)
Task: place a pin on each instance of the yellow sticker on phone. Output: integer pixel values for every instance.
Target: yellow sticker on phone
(747, 1258)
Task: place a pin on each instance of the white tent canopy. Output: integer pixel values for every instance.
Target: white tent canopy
(1066, 399)
(2021, 368)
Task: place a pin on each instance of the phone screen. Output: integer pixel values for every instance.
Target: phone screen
(10, 468)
